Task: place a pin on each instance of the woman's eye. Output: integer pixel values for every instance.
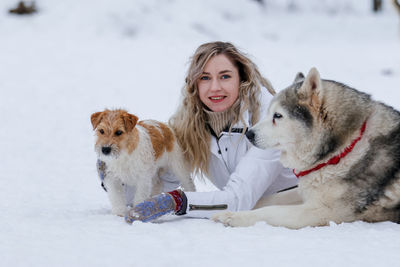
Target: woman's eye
(277, 115)
(225, 77)
(204, 78)
(101, 131)
(118, 133)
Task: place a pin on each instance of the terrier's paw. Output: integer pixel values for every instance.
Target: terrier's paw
(119, 211)
(234, 219)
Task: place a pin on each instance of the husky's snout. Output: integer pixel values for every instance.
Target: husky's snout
(251, 136)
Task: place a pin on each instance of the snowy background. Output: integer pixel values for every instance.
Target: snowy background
(77, 57)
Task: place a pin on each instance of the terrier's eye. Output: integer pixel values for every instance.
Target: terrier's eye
(118, 133)
(101, 131)
(277, 115)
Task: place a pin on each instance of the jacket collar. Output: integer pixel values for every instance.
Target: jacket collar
(265, 99)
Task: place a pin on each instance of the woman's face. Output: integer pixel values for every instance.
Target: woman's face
(219, 83)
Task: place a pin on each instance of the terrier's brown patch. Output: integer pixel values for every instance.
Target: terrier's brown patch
(161, 137)
(168, 137)
(132, 141)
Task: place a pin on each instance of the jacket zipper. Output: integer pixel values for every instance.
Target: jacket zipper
(233, 130)
(208, 207)
(220, 152)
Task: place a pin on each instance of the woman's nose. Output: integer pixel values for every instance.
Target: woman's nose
(215, 85)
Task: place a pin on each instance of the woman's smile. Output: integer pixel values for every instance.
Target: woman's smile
(217, 99)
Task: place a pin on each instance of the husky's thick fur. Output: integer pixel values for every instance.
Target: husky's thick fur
(345, 149)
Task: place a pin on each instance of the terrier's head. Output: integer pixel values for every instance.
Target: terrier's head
(114, 130)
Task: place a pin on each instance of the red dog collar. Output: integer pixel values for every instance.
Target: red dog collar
(335, 160)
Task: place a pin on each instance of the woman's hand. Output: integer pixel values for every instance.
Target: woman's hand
(157, 206)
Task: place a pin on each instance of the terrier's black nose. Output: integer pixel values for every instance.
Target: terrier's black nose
(250, 135)
(106, 150)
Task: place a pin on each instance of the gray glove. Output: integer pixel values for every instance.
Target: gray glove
(157, 206)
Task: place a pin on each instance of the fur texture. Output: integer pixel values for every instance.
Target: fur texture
(312, 121)
(136, 154)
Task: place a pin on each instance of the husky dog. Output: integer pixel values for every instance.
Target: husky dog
(343, 147)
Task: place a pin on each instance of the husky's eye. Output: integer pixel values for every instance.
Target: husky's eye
(101, 131)
(118, 133)
(277, 115)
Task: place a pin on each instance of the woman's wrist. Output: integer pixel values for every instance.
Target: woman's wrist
(180, 200)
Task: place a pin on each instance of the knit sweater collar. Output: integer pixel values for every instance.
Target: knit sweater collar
(218, 121)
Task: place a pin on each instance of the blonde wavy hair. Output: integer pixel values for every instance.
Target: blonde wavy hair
(189, 121)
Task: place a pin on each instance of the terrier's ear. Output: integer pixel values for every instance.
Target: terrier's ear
(96, 119)
(311, 90)
(299, 77)
(130, 121)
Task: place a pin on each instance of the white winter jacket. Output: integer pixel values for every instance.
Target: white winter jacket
(242, 172)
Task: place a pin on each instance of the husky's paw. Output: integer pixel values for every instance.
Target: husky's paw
(234, 219)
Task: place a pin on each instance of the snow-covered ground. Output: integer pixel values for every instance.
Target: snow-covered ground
(77, 57)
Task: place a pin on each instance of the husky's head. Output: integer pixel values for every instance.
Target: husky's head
(308, 121)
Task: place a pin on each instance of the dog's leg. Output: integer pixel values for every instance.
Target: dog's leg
(143, 189)
(116, 194)
(290, 216)
(289, 197)
(187, 182)
(182, 172)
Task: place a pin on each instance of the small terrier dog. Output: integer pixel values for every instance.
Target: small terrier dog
(136, 154)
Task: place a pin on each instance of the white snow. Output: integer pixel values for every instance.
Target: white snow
(75, 57)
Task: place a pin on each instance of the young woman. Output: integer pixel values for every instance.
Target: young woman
(224, 95)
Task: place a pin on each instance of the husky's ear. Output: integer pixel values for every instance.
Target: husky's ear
(310, 91)
(96, 119)
(299, 77)
(130, 121)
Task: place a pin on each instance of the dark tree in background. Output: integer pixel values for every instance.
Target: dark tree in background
(377, 5)
(24, 9)
(396, 4)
